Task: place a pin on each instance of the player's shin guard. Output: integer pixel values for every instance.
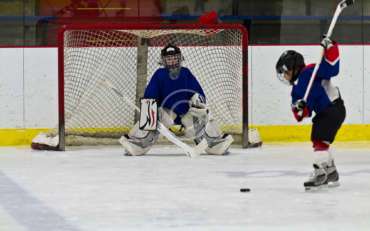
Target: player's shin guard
(138, 142)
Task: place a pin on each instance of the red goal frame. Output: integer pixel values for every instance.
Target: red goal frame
(155, 26)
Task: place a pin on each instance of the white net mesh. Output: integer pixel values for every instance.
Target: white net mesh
(128, 58)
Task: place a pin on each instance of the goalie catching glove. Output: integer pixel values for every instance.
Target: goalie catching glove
(198, 106)
(196, 119)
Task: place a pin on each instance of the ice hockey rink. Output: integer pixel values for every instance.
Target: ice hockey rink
(100, 189)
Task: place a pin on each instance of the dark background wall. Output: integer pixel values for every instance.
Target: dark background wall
(35, 22)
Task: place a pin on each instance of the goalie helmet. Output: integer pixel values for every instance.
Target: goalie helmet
(290, 60)
(171, 59)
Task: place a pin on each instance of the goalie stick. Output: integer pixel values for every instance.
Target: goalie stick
(340, 7)
(190, 151)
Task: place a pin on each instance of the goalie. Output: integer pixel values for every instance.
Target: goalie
(174, 97)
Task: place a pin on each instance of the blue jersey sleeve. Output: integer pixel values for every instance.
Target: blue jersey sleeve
(152, 89)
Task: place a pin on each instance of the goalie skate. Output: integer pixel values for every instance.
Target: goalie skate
(220, 145)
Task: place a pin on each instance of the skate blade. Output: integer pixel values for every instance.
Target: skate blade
(316, 188)
(333, 184)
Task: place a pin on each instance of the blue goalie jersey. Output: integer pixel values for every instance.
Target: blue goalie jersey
(173, 94)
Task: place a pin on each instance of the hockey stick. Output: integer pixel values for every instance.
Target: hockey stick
(190, 151)
(340, 7)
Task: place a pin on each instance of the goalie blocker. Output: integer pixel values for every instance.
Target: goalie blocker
(148, 115)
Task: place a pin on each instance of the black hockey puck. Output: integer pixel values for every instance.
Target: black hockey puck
(245, 190)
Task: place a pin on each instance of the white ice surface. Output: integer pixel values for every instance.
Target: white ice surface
(100, 189)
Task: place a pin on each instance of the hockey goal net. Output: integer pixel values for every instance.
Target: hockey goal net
(127, 56)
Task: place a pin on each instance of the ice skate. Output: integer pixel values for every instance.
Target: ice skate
(318, 179)
(333, 176)
(220, 145)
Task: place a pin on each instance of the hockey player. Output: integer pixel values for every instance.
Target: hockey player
(181, 101)
(324, 99)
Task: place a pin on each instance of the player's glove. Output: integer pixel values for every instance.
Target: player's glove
(326, 42)
(300, 110)
(300, 104)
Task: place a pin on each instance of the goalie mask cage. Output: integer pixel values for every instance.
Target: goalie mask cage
(127, 55)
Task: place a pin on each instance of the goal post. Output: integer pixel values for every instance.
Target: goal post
(127, 55)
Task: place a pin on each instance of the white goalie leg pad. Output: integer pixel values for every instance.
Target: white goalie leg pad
(221, 146)
(201, 128)
(133, 148)
(167, 117)
(218, 143)
(138, 142)
(194, 126)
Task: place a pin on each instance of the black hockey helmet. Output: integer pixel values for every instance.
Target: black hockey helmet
(170, 50)
(290, 60)
(171, 58)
